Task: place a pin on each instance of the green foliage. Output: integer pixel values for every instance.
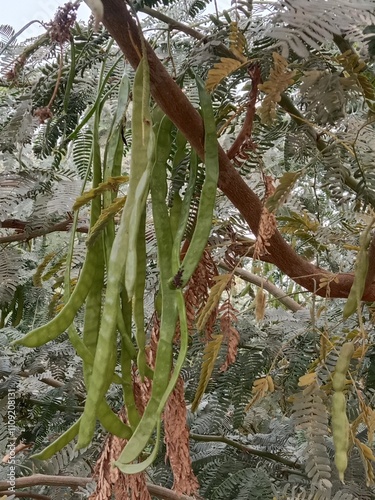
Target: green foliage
(195, 6)
(259, 405)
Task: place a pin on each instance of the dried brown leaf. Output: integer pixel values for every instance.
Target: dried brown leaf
(260, 304)
(197, 293)
(177, 442)
(267, 228)
(110, 480)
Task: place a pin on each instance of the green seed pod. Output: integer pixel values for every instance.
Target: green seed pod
(340, 432)
(342, 366)
(338, 382)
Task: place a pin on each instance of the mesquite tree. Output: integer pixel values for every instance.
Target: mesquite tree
(187, 257)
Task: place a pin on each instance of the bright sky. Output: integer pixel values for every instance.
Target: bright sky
(17, 13)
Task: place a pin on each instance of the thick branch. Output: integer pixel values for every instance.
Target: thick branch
(25, 235)
(267, 285)
(246, 449)
(46, 480)
(175, 104)
(46, 380)
(74, 482)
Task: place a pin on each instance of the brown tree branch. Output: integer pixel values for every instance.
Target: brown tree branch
(267, 285)
(173, 25)
(24, 235)
(166, 494)
(75, 482)
(47, 480)
(46, 380)
(220, 48)
(371, 266)
(175, 104)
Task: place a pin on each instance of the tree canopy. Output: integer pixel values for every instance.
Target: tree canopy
(187, 252)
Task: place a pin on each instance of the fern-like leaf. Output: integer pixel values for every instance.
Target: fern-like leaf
(82, 152)
(310, 415)
(10, 265)
(197, 6)
(243, 6)
(301, 24)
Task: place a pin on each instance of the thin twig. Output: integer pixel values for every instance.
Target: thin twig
(46, 380)
(267, 455)
(29, 235)
(267, 285)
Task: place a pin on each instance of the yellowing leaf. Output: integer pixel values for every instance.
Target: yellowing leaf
(367, 452)
(351, 247)
(237, 41)
(37, 278)
(261, 387)
(215, 293)
(110, 185)
(221, 70)
(367, 459)
(260, 304)
(210, 354)
(369, 419)
(104, 218)
(280, 79)
(286, 184)
(307, 379)
(325, 281)
(360, 352)
(271, 385)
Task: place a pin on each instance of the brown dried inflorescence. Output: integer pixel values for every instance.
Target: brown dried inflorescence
(141, 390)
(110, 480)
(177, 442)
(43, 114)
(198, 291)
(267, 223)
(65, 17)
